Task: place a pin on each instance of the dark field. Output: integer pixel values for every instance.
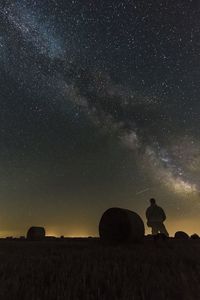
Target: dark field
(86, 269)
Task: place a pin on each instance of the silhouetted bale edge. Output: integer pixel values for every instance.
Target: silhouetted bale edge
(36, 233)
(181, 235)
(121, 225)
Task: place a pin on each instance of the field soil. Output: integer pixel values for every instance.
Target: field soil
(74, 269)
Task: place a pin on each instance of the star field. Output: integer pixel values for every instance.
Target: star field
(99, 106)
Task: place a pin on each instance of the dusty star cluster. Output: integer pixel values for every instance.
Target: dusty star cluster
(76, 76)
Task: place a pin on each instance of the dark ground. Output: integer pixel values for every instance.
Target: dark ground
(75, 269)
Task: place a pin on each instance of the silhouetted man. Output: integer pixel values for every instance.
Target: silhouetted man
(155, 217)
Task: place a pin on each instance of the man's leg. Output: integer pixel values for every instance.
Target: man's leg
(163, 229)
(154, 229)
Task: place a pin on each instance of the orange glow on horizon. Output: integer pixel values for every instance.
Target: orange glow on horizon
(172, 225)
(76, 233)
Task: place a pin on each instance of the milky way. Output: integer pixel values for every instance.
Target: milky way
(128, 72)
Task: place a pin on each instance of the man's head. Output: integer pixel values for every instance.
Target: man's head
(152, 201)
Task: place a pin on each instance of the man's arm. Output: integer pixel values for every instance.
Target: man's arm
(147, 213)
(164, 215)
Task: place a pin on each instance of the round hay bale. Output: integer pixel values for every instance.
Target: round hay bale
(36, 233)
(181, 235)
(121, 225)
(194, 236)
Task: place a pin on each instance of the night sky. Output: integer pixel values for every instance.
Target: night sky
(99, 107)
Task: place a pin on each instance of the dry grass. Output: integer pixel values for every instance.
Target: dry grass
(86, 269)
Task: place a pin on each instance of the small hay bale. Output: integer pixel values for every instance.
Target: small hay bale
(194, 236)
(36, 233)
(121, 225)
(181, 235)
